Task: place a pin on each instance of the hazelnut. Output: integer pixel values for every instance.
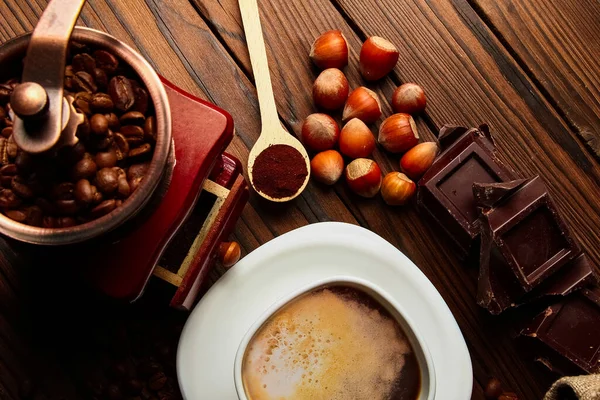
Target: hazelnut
(397, 188)
(398, 133)
(330, 89)
(363, 104)
(378, 57)
(330, 50)
(327, 167)
(364, 177)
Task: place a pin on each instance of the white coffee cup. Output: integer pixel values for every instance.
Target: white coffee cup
(425, 362)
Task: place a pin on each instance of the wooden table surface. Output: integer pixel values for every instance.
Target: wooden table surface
(528, 68)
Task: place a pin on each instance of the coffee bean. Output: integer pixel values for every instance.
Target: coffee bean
(120, 146)
(84, 168)
(4, 158)
(83, 62)
(101, 143)
(508, 396)
(98, 196)
(49, 222)
(84, 82)
(2, 115)
(8, 170)
(135, 141)
(5, 92)
(82, 102)
(101, 103)
(6, 132)
(157, 381)
(106, 61)
(5, 181)
(22, 189)
(77, 48)
(105, 159)
(25, 162)
(141, 103)
(84, 192)
(84, 130)
(107, 180)
(123, 186)
(66, 207)
(132, 118)
(16, 215)
(34, 215)
(121, 92)
(137, 170)
(101, 78)
(141, 151)
(99, 124)
(150, 129)
(113, 122)
(8, 199)
(11, 148)
(65, 222)
(132, 132)
(103, 208)
(63, 191)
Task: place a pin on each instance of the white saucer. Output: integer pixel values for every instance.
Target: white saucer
(214, 330)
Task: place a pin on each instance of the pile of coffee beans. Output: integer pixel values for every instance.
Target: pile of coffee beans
(74, 185)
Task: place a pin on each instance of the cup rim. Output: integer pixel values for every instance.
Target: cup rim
(425, 361)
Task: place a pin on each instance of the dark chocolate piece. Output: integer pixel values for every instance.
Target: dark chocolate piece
(445, 191)
(498, 289)
(526, 249)
(576, 275)
(488, 194)
(571, 329)
(529, 234)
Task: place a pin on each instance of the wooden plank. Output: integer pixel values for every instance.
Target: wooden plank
(557, 42)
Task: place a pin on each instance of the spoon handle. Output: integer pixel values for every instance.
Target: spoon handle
(260, 66)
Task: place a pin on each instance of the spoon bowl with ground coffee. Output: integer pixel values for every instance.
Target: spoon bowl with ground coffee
(278, 165)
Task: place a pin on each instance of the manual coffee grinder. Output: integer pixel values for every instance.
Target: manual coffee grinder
(159, 230)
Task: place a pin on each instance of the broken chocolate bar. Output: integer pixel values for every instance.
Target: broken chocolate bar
(571, 329)
(445, 191)
(498, 290)
(488, 194)
(523, 242)
(531, 236)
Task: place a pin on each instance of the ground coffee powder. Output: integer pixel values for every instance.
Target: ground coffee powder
(279, 171)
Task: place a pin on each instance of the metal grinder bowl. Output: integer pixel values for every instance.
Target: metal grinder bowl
(11, 55)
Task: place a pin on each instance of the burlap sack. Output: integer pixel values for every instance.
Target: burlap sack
(585, 387)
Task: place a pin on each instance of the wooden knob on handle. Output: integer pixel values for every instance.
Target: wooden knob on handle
(229, 253)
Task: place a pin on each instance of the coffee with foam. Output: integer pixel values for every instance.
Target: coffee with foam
(332, 343)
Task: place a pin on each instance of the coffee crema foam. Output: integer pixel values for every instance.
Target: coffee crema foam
(328, 344)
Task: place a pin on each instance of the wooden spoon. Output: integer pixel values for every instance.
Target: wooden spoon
(272, 131)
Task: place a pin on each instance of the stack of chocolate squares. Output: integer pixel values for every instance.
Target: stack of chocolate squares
(526, 251)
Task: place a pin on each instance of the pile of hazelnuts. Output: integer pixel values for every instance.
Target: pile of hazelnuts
(397, 134)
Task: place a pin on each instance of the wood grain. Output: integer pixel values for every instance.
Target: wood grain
(557, 43)
(446, 46)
